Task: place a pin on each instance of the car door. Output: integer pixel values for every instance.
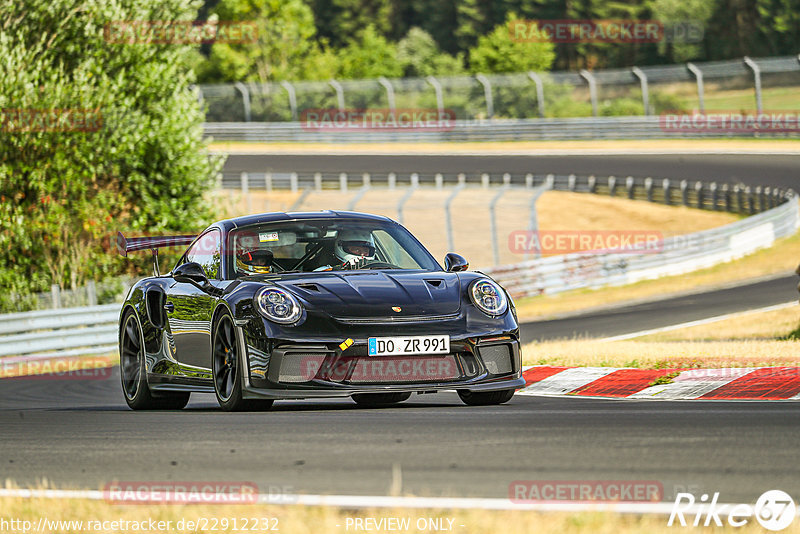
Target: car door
(189, 308)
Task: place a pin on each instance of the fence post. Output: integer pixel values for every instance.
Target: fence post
(366, 180)
(293, 182)
(439, 179)
(484, 180)
(630, 185)
(648, 188)
(462, 179)
(539, 91)
(268, 181)
(292, 98)
(343, 182)
(726, 195)
(751, 206)
(645, 92)
(339, 93)
(506, 179)
(246, 192)
(592, 184)
(448, 219)
(493, 222)
(437, 87)
(685, 193)
(713, 188)
(768, 197)
(91, 293)
(533, 223)
(528, 181)
(612, 186)
(351, 206)
(592, 89)
(55, 295)
(698, 186)
(760, 196)
(245, 99)
(571, 182)
(402, 203)
(757, 81)
(487, 93)
(698, 74)
(737, 191)
(389, 92)
(392, 179)
(665, 185)
(318, 181)
(414, 179)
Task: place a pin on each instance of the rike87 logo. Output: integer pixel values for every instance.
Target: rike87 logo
(774, 510)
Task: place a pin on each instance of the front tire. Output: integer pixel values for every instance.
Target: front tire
(487, 398)
(226, 369)
(133, 372)
(380, 399)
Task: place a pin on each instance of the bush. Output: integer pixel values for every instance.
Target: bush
(140, 168)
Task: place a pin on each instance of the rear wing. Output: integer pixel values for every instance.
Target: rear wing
(134, 244)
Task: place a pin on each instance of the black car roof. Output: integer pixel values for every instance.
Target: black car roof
(246, 220)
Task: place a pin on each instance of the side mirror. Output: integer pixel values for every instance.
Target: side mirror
(191, 273)
(454, 263)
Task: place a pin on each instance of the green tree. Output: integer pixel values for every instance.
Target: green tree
(340, 21)
(285, 48)
(419, 55)
(369, 55)
(136, 163)
(498, 52)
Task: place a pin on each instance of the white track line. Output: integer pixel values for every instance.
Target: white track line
(377, 501)
(533, 152)
(698, 322)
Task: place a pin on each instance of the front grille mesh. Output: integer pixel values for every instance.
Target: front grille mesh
(496, 358)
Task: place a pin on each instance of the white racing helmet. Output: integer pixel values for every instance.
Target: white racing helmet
(354, 245)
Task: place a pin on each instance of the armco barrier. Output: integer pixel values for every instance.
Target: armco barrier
(649, 127)
(679, 254)
(86, 330)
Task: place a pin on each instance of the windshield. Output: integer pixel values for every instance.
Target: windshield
(325, 245)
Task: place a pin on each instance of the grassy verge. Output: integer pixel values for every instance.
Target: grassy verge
(325, 520)
(760, 339)
(782, 257)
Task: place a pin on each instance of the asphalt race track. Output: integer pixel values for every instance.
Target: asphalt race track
(81, 434)
(666, 312)
(771, 170)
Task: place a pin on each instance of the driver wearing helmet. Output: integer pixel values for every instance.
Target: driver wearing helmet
(354, 247)
(258, 261)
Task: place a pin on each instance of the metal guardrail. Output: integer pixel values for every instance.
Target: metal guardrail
(734, 198)
(678, 255)
(483, 130)
(46, 333)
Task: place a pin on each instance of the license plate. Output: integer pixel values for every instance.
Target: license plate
(384, 346)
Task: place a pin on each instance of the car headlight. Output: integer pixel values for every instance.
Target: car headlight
(488, 297)
(278, 305)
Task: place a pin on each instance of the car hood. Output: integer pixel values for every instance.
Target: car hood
(376, 293)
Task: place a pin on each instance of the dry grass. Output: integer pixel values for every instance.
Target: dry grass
(424, 215)
(663, 355)
(324, 520)
(754, 325)
(782, 257)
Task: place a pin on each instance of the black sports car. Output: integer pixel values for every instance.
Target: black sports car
(312, 305)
